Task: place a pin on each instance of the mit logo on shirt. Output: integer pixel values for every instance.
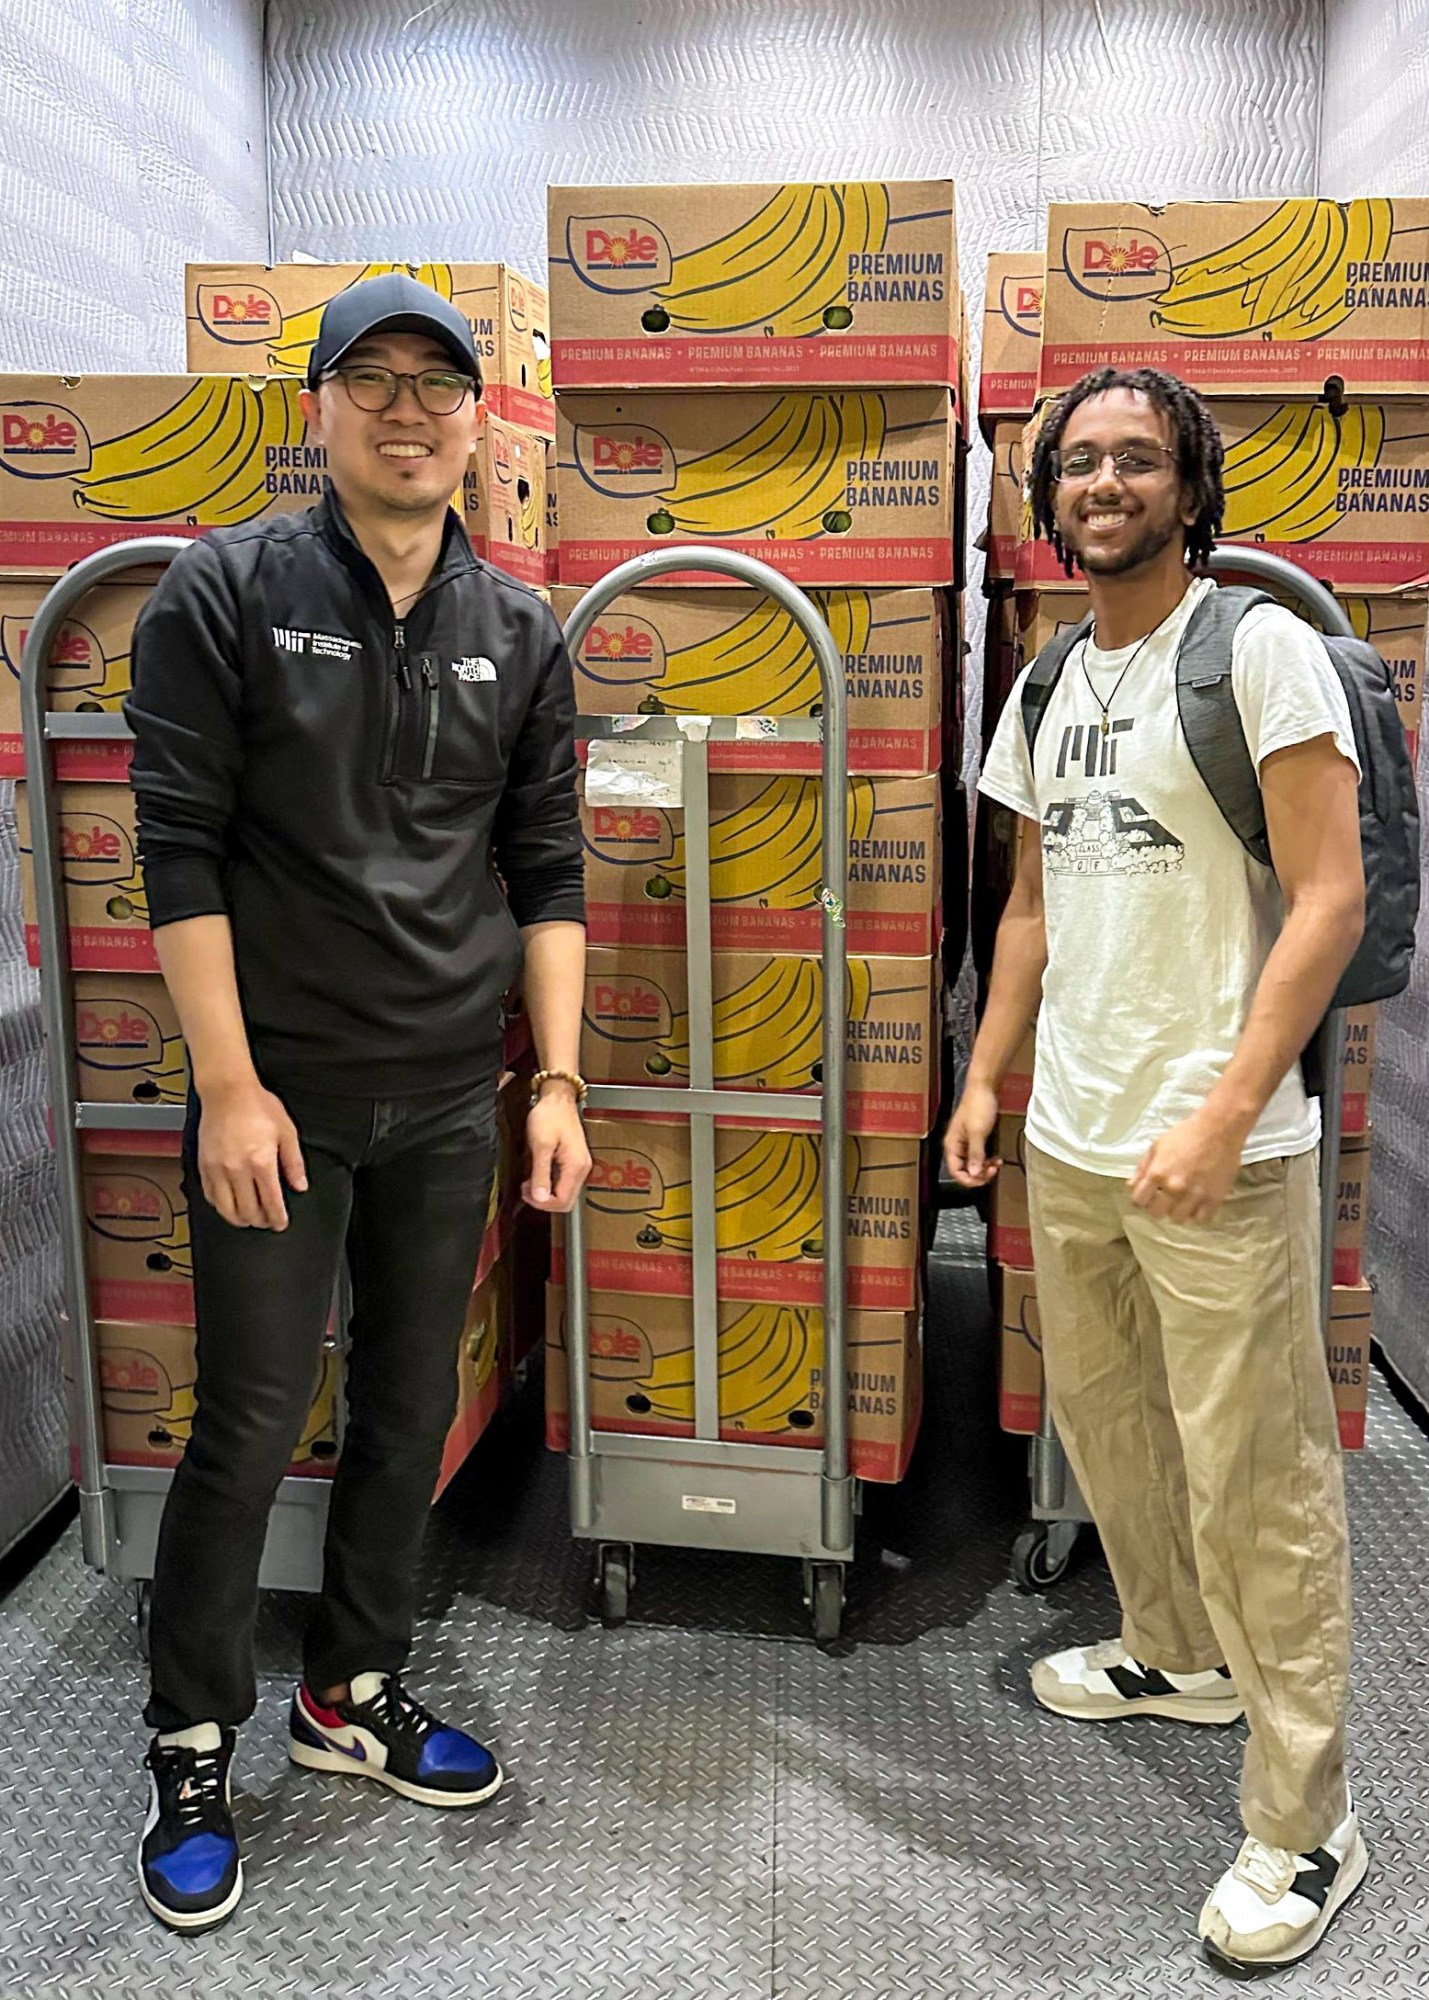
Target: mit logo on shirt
(1098, 755)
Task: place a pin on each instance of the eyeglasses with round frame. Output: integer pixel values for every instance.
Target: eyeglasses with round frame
(440, 391)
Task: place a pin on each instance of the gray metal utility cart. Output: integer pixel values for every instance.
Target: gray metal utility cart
(1042, 1552)
(120, 1505)
(704, 1492)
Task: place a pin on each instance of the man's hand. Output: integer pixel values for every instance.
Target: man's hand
(560, 1157)
(245, 1137)
(965, 1141)
(1187, 1173)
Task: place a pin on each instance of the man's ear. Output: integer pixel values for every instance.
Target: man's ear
(311, 408)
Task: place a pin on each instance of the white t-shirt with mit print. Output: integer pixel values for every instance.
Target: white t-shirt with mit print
(1158, 921)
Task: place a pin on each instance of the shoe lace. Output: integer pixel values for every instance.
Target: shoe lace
(403, 1711)
(1265, 1868)
(193, 1785)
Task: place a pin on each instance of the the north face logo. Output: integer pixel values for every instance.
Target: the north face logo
(477, 668)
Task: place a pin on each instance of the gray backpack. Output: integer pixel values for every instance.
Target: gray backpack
(1210, 721)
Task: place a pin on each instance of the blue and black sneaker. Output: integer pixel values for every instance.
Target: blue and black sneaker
(381, 1732)
(190, 1870)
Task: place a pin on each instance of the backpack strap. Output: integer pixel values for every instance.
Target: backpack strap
(1210, 720)
(1043, 676)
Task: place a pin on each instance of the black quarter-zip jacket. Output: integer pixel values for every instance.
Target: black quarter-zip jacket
(342, 785)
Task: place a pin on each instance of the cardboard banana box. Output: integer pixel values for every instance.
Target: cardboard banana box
(147, 1376)
(1006, 525)
(87, 461)
(830, 487)
(1014, 1293)
(766, 869)
(262, 319)
(104, 886)
(771, 1376)
(483, 1368)
(768, 1028)
(1394, 625)
(136, 1227)
(1352, 1208)
(553, 519)
(504, 500)
(1242, 297)
(89, 670)
(128, 1045)
(719, 286)
(737, 652)
(1011, 338)
(769, 1228)
(1346, 496)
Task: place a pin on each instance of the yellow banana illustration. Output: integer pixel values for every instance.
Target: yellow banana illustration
(768, 1202)
(204, 461)
(1281, 480)
(785, 477)
(483, 1342)
(769, 850)
(782, 270)
(174, 1424)
(768, 1033)
(545, 381)
(767, 1356)
(532, 512)
(288, 353)
(1284, 279)
(763, 665)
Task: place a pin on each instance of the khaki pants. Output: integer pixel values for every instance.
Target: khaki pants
(1186, 1370)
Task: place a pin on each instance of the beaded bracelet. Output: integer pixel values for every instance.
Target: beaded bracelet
(577, 1083)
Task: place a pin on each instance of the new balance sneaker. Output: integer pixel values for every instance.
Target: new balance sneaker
(1100, 1683)
(190, 1870)
(1273, 1906)
(381, 1732)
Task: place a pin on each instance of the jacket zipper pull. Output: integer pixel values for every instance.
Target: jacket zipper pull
(429, 676)
(399, 641)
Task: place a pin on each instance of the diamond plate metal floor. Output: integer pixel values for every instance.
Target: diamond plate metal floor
(702, 1803)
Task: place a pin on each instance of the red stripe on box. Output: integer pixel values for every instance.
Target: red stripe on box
(668, 1276)
(1349, 1266)
(1351, 1429)
(831, 559)
(871, 361)
(1251, 365)
(57, 544)
(94, 948)
(165, 1302)
(525, 407)
(1375, 566)
(1019, 1414)
(913, 936)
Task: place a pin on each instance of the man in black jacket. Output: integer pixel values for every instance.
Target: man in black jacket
(344, 725)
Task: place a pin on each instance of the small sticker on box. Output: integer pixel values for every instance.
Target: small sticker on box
(706, 1503)
(634, 774)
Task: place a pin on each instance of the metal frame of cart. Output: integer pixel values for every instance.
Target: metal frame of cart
(703, 1492)
(120, 1505)
(1043, 1550)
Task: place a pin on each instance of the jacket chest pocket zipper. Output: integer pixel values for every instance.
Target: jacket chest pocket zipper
(434, 711)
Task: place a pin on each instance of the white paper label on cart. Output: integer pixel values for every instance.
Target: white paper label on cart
(634, 774)
(706, 1503)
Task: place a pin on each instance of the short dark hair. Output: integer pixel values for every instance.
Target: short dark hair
(1195, 438)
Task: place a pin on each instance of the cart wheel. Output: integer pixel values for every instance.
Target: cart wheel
(1042, 1554)
(143, 1609)
(616, 1578)
(826, 1601)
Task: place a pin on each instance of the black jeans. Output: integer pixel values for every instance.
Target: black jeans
(403, 1185)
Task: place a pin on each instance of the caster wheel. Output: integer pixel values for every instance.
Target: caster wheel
(616, 1578)
(143, 1608)
(826, 1601)
(1042, 1554)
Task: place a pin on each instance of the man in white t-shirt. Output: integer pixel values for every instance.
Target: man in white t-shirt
(1171, 1148)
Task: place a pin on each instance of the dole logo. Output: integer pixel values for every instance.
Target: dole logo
(619, 642)
(622, 652)
(113, 1036)
(94, 851)
(238, 314)
(42, 441)
(516, 305)
(1021, 305)
(627, 1003)
(1116, 266)
(627, 826)
(132, 1380)
(93, 841)
(630, 1175)
(617, 253)
(625, 461)
(76, 653)
(129, 1209)
(501, 455)
(619, 1347)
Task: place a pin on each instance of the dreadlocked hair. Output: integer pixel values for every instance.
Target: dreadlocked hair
(1196, 441)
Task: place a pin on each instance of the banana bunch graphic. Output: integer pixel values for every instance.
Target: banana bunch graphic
(545, 380)
(532, 514)
(783, 270)
(766, 1361)
(784, 478)
(1284, 279)
(768, 1033)
(768, 1202)
(483, 1344)
(288, 353)
(763, 665)
(173, 1425)
(769, 850)
(204, 460)
(1281, 480)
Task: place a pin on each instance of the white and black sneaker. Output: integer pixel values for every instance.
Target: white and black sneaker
(383, 1732)
(1101, 1683)
(190, 1870)
(1273, 1906)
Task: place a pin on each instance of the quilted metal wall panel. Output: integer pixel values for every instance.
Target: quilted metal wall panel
(1376, 141)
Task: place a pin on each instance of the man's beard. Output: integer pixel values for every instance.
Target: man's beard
(1144, 549)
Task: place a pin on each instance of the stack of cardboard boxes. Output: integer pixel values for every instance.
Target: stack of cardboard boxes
(87, 462)
(1305, 323)
(772, 370)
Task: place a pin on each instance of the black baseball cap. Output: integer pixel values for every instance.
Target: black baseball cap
(393, 303)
